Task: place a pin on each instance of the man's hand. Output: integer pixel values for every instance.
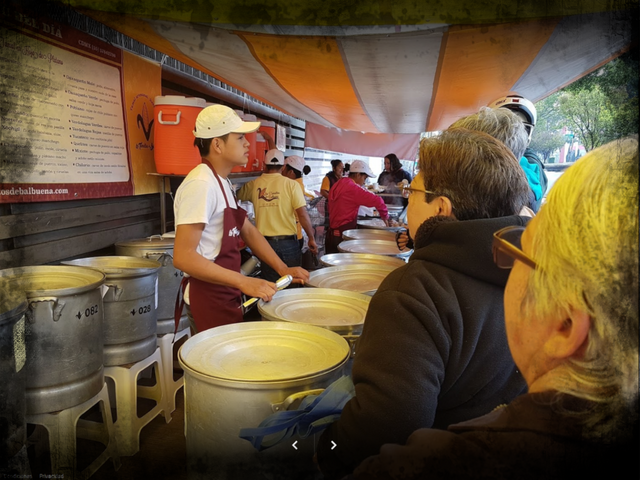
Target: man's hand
(402, 238)
(313, 247)
(299, 274)
(256, 287)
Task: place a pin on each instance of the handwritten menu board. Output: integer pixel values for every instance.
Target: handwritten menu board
(63, 132)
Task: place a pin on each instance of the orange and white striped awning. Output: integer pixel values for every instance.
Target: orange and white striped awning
(393, 67)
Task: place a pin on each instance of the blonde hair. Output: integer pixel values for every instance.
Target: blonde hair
(587, 251)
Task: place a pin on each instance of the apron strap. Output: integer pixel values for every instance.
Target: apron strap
(180, 302)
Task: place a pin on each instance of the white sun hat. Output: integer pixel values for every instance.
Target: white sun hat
(219, 120)
(358, 166)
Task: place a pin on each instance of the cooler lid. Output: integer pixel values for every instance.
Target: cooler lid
(322, 307)
(52, 280)
(179, 100)
(264, 351)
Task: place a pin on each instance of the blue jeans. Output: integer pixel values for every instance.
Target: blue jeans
(288, 250)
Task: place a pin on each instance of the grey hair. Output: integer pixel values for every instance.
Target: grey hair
(502, 124)
(477, 172)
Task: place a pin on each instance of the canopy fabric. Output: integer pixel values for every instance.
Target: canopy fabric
(369, 73)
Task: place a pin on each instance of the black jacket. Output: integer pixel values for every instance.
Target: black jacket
(433, 350)
(532, 438)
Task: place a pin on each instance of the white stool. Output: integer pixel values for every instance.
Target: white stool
(61, 427)
(167, 343)
(127, 391)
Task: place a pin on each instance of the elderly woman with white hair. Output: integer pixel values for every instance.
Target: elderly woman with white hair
(571, 313)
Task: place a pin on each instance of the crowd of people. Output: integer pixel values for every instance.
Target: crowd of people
(507, 346)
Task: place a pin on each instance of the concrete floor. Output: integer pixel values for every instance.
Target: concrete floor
(162, 452)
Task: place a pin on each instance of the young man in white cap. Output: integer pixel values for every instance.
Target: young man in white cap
(276, 200)
(345, 197)
(209, 226)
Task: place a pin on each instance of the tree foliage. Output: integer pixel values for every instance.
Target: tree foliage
(598, 108)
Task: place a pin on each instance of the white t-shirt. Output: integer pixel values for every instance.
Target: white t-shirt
(200, 200)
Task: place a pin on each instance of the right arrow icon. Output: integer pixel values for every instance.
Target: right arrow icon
(334, 444)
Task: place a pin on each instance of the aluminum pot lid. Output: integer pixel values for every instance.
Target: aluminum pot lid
(264, 351)
(354, 278)
(378, 247)
(371, 233)
(337, 259)
(118, 266)
(323, 307)
(376, 223)
(52, 280)
(152, 242)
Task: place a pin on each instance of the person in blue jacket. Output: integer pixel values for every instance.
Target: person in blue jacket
(529, 161)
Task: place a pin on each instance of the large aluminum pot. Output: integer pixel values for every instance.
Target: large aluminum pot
(339, 259)
(13, 305)
(353, 278)
(236, 376)
(340, 311)
(378, 247)
(169, 277)
(64, 365)
(130, 306)
(369, 234)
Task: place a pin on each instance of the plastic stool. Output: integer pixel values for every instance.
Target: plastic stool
(127, 391)
(172, 386)
(61, 427)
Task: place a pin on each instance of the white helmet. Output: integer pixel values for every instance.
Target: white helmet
(520, 105)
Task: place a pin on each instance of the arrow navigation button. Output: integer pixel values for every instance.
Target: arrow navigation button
(333, 444)
(294, 444)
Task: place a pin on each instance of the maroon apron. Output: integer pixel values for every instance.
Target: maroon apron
(211, 304)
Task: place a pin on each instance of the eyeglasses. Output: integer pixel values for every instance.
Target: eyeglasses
(507, 248)
(407, 190)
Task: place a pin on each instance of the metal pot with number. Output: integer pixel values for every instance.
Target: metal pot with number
(235, 377)
(63, 332)
(130, 306)
(160, 249)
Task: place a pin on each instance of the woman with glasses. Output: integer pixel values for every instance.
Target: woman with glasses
(434, 350)
(571, 311)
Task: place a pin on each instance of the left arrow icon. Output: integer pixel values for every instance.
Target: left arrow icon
(294, 444)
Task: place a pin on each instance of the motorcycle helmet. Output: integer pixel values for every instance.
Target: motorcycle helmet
(524, 108)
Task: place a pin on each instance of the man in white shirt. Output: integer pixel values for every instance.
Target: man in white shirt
(209, 226)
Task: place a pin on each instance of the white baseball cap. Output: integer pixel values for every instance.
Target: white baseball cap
(296, 162)
(219, 120)
(358, 166)
(274, 157)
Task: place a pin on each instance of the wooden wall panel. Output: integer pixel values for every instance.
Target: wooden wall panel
(36, 234)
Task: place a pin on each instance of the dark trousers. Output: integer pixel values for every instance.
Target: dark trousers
(288, 250)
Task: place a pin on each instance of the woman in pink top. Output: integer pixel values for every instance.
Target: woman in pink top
(345, 197)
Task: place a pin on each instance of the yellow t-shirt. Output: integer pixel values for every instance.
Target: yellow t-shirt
(326, 185)
(298, 226)
(275, 199)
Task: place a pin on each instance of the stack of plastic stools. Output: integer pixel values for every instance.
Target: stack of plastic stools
(125, 379)
(167, 343)
(63, 426)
